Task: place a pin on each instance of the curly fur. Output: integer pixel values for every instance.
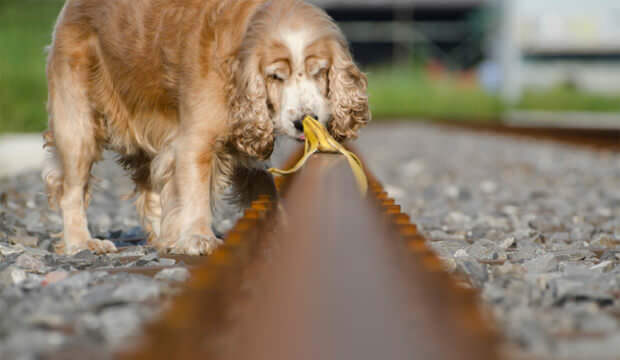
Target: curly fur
(191, 95)
(347, 96)
(252, 130)
(251, 109)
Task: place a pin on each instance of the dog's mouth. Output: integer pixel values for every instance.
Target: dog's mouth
(301, 138)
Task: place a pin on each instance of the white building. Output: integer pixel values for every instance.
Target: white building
(545, 43)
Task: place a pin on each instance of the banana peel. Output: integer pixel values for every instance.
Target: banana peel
(319, 140)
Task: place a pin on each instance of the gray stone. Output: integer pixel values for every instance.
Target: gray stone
(577, 290)
(9, 250)
(488, 186)
(525, 251)
(476, 272)
(134, 251)
(100, 296)
(12, 275)
(30, 263)
(581, 233)
(560, 237)
(10, 295)
(605, 241)
(493, 292)
(88, 324)
(24, 240)
(508, 269)
(166, 261)
(605, 266)
(541, 280)
(46, 245)
(438, 235)
(146, 259)
(32, 342)
(447, 248)
(609, 255)
(478, 232)
(174, 274)
(32, 281)
(574, 270)
(457, 218)
(487, 251)
(77, 281)
(508, 242)
(573, 254)
(452, 191)
(118, 323)
(603, 347)
(542, 264)
(138, 289)
(428, 223)
(545, 224)
(84, 256)
(494, 222)
(460, 253)
(47, 320)
(598, 323)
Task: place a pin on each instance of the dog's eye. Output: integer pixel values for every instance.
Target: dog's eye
(320, 74)
(275, 77)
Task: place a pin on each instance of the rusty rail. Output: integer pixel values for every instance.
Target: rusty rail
(322, 274)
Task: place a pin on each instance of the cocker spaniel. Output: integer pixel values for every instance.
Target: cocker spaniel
(191, 94)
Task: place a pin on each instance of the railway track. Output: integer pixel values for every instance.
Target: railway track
(322, 273)
(214, 314)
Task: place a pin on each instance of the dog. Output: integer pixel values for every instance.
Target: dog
(191, 95)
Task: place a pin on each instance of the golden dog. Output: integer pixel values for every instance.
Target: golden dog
(190, 94)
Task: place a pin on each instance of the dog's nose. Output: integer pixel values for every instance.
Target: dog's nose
(299, 124)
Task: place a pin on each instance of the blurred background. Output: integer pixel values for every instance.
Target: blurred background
(470, 60)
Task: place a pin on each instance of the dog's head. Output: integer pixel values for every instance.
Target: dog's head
(293, 62)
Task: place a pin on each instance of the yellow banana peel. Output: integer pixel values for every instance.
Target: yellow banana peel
(319, 140)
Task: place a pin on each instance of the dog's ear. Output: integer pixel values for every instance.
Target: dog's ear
(347, 92)
(251, 128)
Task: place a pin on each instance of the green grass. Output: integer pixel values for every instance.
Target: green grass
(400, 92)
(568, 99)
(25, 30)
(407, 92)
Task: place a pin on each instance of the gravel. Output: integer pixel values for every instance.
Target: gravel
(70, 307)
(534, 225)
(173, 274)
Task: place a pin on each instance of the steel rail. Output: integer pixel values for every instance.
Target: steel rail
(322, 274)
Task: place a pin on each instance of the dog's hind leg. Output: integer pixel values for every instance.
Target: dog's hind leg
(148, 205)
(73, 149)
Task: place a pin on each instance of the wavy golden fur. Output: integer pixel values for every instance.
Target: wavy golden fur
(191, 94)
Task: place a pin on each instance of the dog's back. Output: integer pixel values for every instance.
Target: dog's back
(130, 52)
(138, 55)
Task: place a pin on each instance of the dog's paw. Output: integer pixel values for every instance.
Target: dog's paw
(95, 245)
(101, 246)
(197, 244)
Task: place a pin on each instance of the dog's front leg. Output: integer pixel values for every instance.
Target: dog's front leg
(186, 221)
